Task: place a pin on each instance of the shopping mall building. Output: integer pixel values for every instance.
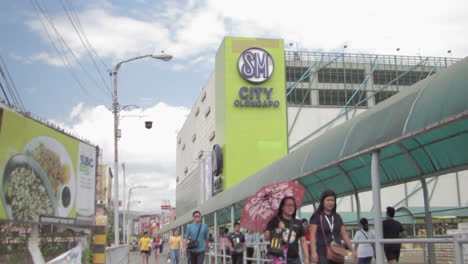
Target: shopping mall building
(263, 102)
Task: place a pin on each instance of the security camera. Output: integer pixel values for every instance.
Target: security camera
(148, 124)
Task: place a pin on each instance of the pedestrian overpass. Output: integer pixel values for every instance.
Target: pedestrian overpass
(418, 133)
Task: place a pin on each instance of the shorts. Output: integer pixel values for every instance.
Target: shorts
(147, 252)
(392, 253)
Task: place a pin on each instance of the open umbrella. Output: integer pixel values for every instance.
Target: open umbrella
(264, 204)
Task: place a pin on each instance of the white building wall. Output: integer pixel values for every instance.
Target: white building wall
(312, 118)
(193, 140)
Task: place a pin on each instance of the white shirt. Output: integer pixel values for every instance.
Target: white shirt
(249, 238)
(364, 250)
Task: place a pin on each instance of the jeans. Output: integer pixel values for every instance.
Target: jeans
(366, 260)
(175, 253)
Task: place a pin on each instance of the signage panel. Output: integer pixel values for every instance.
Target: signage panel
(44, 173)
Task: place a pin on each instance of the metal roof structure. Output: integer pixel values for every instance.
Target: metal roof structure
(420, 132)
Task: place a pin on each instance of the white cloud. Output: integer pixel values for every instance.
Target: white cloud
(149, 154)
(76, 110)
(195, 29)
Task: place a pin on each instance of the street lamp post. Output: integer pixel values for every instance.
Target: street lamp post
(116, 110)
(128, 206)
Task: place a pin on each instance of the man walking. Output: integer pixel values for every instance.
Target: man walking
(144, 248)
(196, 240)
(392, 229)
(237, 245)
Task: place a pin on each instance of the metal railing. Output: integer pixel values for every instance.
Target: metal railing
(220, 257)
(117, 254)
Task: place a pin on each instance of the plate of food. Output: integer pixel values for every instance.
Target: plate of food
(26, 190)
(54, 159)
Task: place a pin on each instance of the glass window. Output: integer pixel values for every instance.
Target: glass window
(336, 75)
(294, 74)
(383, 95)
(340, 97)
(383, 77)
(299, 97)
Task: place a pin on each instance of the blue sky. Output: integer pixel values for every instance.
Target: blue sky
(51, 91)
(191, 30)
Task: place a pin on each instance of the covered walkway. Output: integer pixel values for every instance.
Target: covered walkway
(418, 133)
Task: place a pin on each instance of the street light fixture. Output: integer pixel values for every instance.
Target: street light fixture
(125, 233)
(116, 110)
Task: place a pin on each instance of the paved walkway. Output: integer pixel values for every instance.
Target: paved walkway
(135, 258)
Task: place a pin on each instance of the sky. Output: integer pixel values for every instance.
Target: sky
(60, 54)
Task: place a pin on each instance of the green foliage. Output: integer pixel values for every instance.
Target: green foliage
(87, 257)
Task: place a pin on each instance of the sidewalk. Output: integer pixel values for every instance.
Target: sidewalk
(135, 258)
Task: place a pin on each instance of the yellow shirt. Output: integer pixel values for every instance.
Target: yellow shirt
(144, 243)
(174, 242)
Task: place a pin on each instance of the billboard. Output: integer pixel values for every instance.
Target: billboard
(45, 175)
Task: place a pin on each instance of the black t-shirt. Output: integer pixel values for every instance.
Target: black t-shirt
(236, 241)
(297, 232)
(392, 229)
(334, 219)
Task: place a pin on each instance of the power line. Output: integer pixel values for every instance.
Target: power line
(64, 44)
(62, 56)
(73, 12)
(4, 93)
(9, 88)
(15, 90)
(86, 45)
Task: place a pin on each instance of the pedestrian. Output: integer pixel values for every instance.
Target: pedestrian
(365, 251)
(292, 232)
(305, 224)
(196, 239)
(157, 246)
(236, 242)
(327, 230)
(144, 246)
(263, 246)
(212, 248)
(249, 241)
(174, 246)
(223, 243)
(392, 229)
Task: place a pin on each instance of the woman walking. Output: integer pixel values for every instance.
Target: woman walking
(286, 234)
(327, 229)
(174, 246)
(157, 245)
(366, 251)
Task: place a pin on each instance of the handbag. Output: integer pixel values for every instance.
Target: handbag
(275, 248)
(193, 244)
(335, 252)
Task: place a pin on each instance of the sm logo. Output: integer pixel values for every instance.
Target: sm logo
(255, 65)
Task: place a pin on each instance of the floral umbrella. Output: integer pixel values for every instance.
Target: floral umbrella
(264, 204)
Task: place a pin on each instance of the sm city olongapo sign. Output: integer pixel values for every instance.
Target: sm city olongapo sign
(255, 65)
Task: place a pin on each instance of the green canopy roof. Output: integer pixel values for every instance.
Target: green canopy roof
(420, 132)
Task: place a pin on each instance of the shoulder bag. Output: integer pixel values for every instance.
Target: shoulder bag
(372, 244)
(193, 244)
(335, 252)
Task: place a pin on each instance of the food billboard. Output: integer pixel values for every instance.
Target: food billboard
(46, 175)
